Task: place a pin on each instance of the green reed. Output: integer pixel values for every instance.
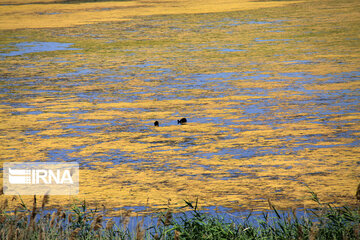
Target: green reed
(79, 222)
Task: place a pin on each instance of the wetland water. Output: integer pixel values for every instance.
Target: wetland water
(272, 102)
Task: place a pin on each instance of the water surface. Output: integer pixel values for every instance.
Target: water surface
(270, 111)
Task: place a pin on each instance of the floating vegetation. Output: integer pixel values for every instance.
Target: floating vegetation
(280, 111)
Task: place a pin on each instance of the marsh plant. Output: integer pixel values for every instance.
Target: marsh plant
(80, 222)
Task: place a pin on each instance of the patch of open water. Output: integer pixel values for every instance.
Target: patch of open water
(35, 47)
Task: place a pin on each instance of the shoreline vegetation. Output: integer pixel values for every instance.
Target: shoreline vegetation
(80, 222)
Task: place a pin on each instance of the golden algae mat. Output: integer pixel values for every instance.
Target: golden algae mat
(271, 94)
(64, 13)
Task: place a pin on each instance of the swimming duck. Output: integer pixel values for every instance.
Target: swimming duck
(182, 121)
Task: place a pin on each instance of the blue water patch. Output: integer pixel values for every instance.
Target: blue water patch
(77, 72)
(34, 112)
(276, 31)
(236, 22)
(298, 62)
(271, 40)
(231, 50)
(33, 47)
(31, 132)
(234, 173)
(264, 22)
(62, 155)
(226, 214)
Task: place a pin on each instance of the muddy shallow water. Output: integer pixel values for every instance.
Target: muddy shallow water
(272, 102)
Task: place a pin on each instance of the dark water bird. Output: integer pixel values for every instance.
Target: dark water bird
(156, 123)
(182, 121)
